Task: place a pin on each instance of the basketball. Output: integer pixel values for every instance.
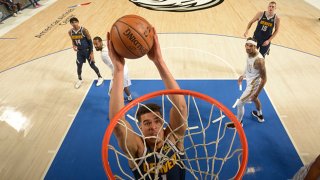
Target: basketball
(132, 36)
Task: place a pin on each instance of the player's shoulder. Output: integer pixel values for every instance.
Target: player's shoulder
(105, 50)
(260, 13)
(259, 61)
(84, 29)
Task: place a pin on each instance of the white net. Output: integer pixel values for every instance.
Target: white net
(211, 151)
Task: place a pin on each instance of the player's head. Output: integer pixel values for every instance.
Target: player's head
(74, 22)
(151, 122)
(272, 7)
(97, 42)
(251, 45)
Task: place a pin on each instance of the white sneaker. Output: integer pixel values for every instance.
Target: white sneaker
(19, 12)
(100, 81)
(15, 14)
(78, 84)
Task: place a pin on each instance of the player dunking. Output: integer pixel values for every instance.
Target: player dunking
(255, 74)
(168, 141)
(98, 44)
(267, 21)
(82, 43)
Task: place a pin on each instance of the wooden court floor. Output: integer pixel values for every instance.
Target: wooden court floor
(38, 102)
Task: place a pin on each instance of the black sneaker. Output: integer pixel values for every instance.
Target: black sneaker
(231, 125)
(260, 118)
(126, 99)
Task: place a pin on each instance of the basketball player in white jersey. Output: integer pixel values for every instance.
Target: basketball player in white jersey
(98, 44)
(255, 74)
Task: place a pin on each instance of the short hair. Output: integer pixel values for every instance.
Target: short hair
(97, 38)
(251, 38)
(273, 2)
(150, 107)
(74, 19)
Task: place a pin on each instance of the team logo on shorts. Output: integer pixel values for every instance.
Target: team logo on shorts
(176, 5)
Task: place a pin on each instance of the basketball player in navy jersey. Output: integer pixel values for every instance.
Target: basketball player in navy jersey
(82, 43)
(168, 142)
(267, 21)
(255, 74)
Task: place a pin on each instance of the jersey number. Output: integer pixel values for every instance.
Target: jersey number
(264, 28)
(78, 42)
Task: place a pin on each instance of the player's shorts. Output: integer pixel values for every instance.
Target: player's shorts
(82, 55)
(264, 50)
(126, 82)
(252, 87)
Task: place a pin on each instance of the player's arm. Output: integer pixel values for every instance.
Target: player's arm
(177, 116)
(254, 19)
(242, 76)
(260, 65)
(88, 36)
(128, 141)
(73, 44)
(276, 28)
(106, 59)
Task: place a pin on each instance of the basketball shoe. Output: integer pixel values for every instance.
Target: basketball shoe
(231, 125)
(128, 99)
(259, 117)
(78, 84)
(100, 81)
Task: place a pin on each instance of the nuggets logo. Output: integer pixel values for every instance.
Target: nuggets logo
(76, 37)
(176, 5)
(265, 23)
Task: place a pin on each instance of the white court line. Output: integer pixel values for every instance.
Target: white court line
(285, 128)
(54, 152)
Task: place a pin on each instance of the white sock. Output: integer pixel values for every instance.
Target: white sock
(240, 110)
(130, 97)
(259, 112)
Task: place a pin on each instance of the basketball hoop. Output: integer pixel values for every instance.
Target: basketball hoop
(212, 151)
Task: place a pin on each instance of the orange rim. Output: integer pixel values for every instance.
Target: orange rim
(227, 112)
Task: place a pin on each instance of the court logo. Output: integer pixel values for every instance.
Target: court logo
(176, 5)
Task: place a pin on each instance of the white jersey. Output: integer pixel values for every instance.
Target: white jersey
(106, 59)
(251, 72)
(253, 79)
